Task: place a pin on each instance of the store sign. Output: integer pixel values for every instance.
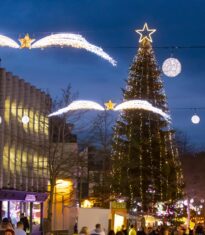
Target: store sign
(118, 205)
(30, 198)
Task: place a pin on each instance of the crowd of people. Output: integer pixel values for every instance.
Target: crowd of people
(21, 228)
(158, 230)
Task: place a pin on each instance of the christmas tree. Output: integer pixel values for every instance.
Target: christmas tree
(145, 163)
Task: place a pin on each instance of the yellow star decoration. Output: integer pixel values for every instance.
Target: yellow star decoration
(145, 33)
(109, 105)
(26, 41)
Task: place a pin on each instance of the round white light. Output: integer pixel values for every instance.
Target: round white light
(192, 200)
(185, 202)
(195, 119)
(171, 67)
(0, 119)
(25, 119)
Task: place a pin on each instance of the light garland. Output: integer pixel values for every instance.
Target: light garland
(8, 42)
(57, 40)
(141, 104)
(72, 40)
(91, 105)
(78, 105)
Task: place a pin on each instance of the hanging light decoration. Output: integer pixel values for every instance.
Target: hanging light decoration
(25, 119)
(127, 105)
(57, 40)
(72, 40)
(171, 67)
(195, 119)
(142, 104)
(78, 105)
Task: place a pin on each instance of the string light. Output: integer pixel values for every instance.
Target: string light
(141, 104)
(145, 33)
(57, 40)
(78, 105)
(72, 40)
(91, 105)
(8, 42)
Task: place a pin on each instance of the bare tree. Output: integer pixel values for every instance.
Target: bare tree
(99, 142)
(63, 158)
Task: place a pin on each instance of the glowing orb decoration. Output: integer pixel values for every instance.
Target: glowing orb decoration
(0, 119)
(71, 40)
(142, 104)
(171, 67)
(79, 105)
(25, 119)
(192, 200)
(195, 119)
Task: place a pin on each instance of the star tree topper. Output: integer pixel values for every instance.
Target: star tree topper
(145, 33)
(26, 41)
(110, 105)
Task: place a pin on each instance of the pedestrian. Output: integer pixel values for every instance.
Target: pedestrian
(132, 230)
(25, 222)
(20, 229)
(119, 233)
(98, 230)
(141, 232)
(84, 231)
(124, 230)
(111, 232)
(6, 227)
(75, 228)
(199, 230)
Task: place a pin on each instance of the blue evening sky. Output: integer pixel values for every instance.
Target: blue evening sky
(111, 24)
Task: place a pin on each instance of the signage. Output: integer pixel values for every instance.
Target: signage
(30, 198)
(118, 205)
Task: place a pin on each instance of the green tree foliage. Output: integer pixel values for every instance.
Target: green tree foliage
(145, 164)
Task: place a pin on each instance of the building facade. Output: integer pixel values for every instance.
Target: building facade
(23, 145)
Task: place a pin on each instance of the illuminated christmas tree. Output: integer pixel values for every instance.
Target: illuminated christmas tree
(145, 163)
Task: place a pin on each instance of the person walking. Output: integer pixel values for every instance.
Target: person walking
(25, 222)
(84, 231)
(132, 230)
(98, 230)
(20, 229)
(124, 230)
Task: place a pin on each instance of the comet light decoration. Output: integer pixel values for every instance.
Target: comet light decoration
(91, 105)
(72, 40)
(8, 42)
(141, 104)
(79, 105)
(57, 40)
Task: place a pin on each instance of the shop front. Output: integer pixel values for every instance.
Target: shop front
(14, 204)
(118, 215)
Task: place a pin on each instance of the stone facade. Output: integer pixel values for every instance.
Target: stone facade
(23, 147)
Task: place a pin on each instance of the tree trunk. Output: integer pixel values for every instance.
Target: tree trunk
(50, 205)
